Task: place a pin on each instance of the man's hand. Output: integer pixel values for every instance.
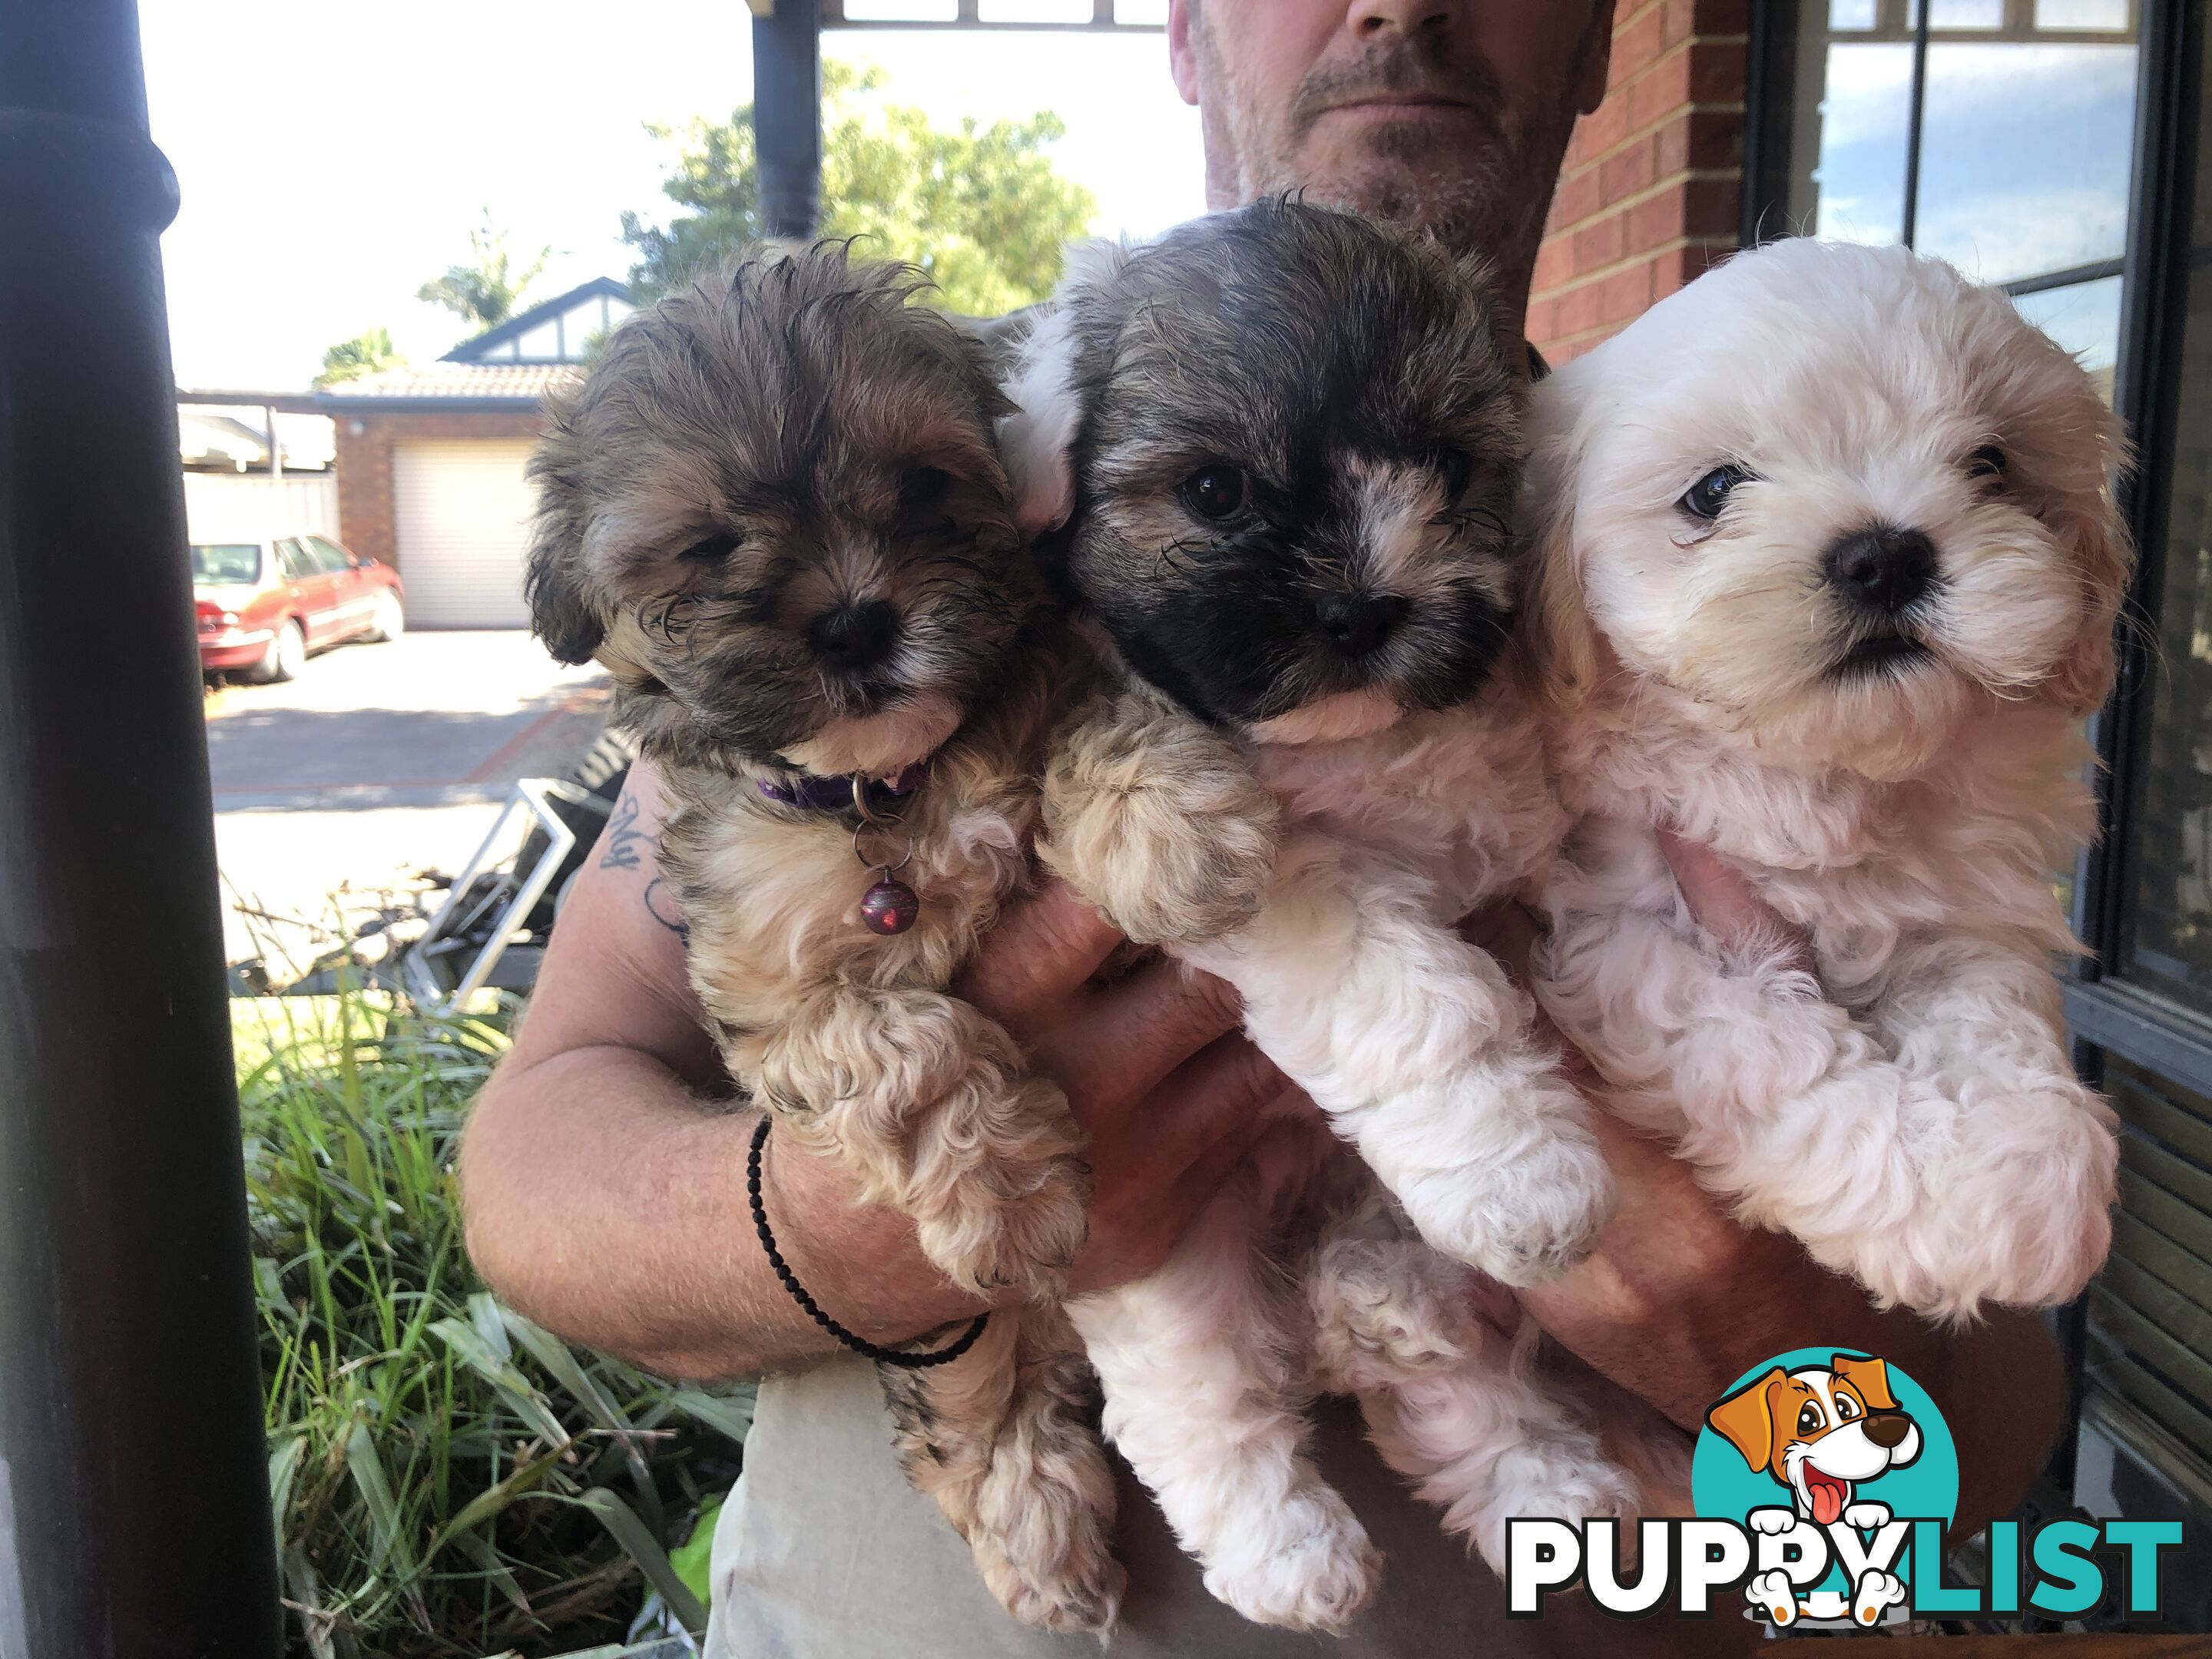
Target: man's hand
(1679, 1298)
(603, 1179)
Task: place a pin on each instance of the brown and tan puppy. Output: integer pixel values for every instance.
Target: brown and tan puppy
(775, 513)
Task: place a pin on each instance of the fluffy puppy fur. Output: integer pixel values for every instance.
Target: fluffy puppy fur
(776, 512)
(1830, 569)
(1282, 444)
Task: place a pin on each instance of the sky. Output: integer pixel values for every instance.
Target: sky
(332, 156)
(2026, 156)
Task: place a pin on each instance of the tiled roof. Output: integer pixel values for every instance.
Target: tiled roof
(444, 380)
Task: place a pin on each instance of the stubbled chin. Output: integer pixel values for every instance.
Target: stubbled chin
(878, 744)
(1346, 714)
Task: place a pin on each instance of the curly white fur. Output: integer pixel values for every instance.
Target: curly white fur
(1908, 1108)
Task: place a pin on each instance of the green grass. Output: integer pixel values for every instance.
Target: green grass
(448, 1480)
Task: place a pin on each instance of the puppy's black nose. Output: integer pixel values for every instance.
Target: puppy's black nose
(1883, 567)
(1887, 1428)
(1356, 624)
(855, 637)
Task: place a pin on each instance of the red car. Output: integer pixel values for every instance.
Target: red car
(263, 605)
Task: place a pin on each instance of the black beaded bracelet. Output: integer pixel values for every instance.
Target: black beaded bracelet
(860, 1344)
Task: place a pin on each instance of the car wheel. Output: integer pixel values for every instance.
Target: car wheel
(387, 621)
(286, 656)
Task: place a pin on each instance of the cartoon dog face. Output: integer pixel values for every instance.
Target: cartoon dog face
(1820, 1431)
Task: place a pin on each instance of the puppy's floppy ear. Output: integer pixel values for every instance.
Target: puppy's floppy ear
(559, 613)
(1037, 440)
(1559, 639)
(1869, 1376)
(1745, 1418)
(2106, 552)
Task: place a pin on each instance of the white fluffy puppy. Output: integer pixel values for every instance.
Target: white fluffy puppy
(1830, 563)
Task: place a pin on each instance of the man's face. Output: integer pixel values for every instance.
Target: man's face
(1446, 113)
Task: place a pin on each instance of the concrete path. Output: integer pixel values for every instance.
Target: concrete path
(332, 794)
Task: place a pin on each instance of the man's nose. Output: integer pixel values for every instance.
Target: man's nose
(1371, 18)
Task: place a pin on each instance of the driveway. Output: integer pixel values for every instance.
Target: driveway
(334, 793)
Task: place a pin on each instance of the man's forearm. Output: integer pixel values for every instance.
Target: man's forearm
(606, 1200)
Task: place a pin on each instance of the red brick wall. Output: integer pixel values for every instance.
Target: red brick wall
(366, 523)
(1648, 193)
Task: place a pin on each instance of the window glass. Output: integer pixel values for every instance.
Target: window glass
(1853, 102)
(329, 557)
(1965, 15)
(2105, 14)
(2166, 937)
(2025, 153)
(2085, 319)
(219, 563)
(292, 559)
(2025, 139)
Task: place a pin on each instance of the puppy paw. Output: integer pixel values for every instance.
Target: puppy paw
(1553, 1476)
(1522, 1219)
(1876, 1591)
(1773, 1595)
(1866, 1516)
(1772, 1522)
(1018, 1232)
(1384, 1310)
(1157, 821)
(1078, 1590)
(1310, 1569)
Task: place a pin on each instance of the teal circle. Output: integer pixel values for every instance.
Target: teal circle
(1723, 1486)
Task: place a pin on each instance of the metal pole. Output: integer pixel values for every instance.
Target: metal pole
(134, 1498)
(788, 115)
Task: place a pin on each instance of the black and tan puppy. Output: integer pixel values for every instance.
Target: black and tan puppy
(1281, 446)
(776, 512)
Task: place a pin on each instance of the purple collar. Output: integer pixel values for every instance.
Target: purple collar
(817, 795)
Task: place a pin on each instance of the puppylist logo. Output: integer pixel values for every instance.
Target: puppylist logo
(1823, 1484)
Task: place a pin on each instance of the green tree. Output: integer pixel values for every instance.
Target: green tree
(485, 290)
(366, 353)
(979, 208)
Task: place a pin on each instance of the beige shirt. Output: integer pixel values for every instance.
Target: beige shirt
(824, 1552)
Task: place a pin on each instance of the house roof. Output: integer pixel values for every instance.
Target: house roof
(470, 351)
(450, 386)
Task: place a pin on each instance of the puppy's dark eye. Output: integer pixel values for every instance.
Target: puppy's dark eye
(1987, 462)
(714, 549)
(923, 485)
(1809, 1421)
(1705, 498)
(1846, 1408)
(1456, 467)
(1214, 492)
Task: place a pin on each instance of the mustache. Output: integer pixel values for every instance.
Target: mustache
(1415, 66)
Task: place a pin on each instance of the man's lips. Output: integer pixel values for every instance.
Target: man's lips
(1399, 104)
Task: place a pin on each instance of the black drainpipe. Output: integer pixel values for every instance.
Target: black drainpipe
(134, 1496)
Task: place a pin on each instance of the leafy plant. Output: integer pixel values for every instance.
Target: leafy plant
(486, 290)
(366, 353)
(979, 208)
(448, 1480)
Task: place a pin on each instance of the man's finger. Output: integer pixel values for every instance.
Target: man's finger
(1136, 1031)
(1043, 950)
(1225, 1086)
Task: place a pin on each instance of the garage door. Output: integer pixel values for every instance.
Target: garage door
(462, 512)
